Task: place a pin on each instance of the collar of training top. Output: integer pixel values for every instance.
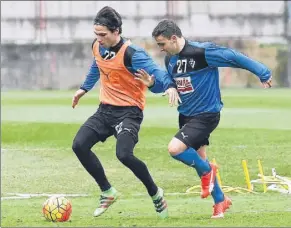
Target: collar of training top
(183, 49)
(117, 46)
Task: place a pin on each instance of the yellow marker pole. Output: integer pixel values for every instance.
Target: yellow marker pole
(262, 175)
(217, 173)
(247, 175)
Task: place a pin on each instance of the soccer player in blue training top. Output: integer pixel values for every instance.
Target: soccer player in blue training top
(194, 68)
(122, 101)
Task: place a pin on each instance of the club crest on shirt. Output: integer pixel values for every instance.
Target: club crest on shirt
(192, 63)
(184, 85)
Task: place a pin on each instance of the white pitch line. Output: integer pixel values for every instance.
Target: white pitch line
(13, 197)
(19, 196)
(31, 149)
(33, 195)
(167, 194)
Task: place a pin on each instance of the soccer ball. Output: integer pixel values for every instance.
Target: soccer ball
(57, 209)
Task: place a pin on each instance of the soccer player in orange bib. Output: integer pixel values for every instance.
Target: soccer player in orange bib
(117, 64)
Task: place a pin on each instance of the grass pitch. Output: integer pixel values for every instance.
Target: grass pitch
(36, 157)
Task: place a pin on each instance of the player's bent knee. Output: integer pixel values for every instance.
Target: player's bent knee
(77, 146)
(173, 149)
(123, 157)
(83, 142)
(176, 147)
(124, 147)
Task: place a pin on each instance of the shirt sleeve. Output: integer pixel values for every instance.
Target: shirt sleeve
(92, 77)
(218, 56)
(163, 81)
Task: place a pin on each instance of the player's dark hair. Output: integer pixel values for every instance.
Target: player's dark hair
(108, 17)
(167, 28)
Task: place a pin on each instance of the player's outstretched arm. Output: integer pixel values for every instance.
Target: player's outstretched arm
(161, 80)
(78, 94)
(145, 78)
(91, 79)
(219, 56)
(149, 81)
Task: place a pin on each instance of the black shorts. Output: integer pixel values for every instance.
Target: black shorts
(111, 120)
(195, 130)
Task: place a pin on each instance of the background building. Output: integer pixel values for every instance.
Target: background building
(46, 44)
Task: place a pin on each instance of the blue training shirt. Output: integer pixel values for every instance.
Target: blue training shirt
(134, 58)
(195, 71)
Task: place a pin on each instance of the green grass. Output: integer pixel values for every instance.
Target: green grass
(242, 99)
(38, 129)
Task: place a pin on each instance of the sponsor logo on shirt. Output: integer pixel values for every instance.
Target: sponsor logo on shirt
(184, 85)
